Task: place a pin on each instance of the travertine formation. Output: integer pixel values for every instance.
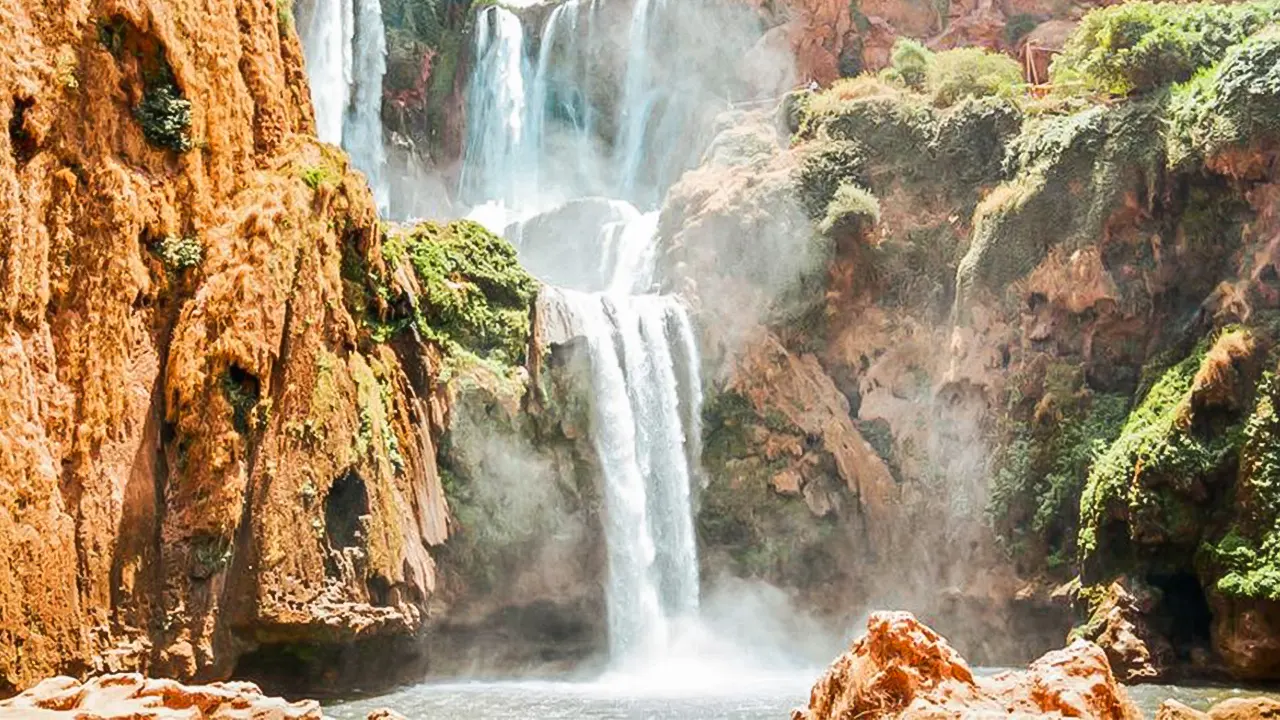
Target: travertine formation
(902, 669)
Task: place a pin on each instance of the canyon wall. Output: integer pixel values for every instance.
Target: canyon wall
(212, 458)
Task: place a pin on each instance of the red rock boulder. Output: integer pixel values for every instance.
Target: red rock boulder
(130, 696)
(903, 669)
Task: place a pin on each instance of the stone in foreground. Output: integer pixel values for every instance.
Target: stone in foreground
(133, 697)
(902, 669)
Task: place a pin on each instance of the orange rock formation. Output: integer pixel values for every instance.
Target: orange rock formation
(902, 669)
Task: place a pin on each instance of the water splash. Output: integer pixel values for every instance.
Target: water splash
(495, 163)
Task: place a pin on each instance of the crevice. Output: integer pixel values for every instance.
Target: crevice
(21, 142)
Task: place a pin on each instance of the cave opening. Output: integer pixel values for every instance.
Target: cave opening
(344, 506)
(1186, 611)
(21, 141)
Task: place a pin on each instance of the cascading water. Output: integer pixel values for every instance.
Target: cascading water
(345, 46)
(495, 161)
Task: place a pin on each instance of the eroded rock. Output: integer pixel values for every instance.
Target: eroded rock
(903, 669)
(130, 696)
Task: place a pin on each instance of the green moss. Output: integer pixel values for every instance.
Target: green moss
(1233, 104)
(316, 175)
(1068, 174)
(851, 210)
(824, 168)
(284, 15)
(969, 143)
(1145, 476)
(180, 253)
(1141, 46)
(954, 75)
(476, 296)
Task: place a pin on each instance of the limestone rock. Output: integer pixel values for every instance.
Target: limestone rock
(1233, 709)
(133, 697)
(1119, 625)
(903, 669)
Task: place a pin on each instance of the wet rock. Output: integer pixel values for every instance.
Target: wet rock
(1233, 709)
(903, 669)
(130, 696)
(1119, 625)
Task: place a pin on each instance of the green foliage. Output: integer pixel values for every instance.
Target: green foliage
(1141, 46)
(209, 556)
(824, 169)
(1248, 570)
(180, 253)
(476, 296)
(851, 210)
(969, 144)
(165, 116)
(910, 62)
(316, 175)
(1040, 472)
(1234, 103)
(971, 72)
(1068, 173)
(1144, 474)
(1019, 26)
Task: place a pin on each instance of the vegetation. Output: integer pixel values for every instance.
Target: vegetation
(180, 253)
(1234, 103)
(476, 296)
(954, 75)
(165, 116)
(852, 210)
(1137, 47)
(1149, 473)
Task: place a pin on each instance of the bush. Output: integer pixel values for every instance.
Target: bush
(180, 253)
(851, 210)
(1232, 104)
(476, 296)
(971, 72)
(824, 169)
(165, 117)
(1141, 46)
(910, 63)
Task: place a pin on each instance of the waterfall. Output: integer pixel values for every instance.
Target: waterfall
(344, 43)
(533, 141)
(495, 159)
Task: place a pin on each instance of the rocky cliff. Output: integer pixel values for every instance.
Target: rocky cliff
(218, 429)
(1051, 307)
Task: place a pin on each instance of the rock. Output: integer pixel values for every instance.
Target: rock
(386, 714)
(1118, 623)
(1233, 709)
(903, 669)
(130, 696)
(1174, 710)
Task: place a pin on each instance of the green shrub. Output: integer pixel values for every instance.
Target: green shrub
(971, 72)
(1140, 46)
(910, 63)
(852, 209)
(1232, 104)
(476, 296)
(165, 116)
(824, 169)
(180, 253)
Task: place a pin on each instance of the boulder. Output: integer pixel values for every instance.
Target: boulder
(1233, 709)
(130, 696)
(903, 669)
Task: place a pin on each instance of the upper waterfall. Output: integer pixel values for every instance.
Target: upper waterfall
(345, 45)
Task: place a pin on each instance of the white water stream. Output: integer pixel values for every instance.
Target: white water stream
(345, 45)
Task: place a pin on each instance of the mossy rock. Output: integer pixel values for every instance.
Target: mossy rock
(476, 298)
(1147, 494)
(1068, 174)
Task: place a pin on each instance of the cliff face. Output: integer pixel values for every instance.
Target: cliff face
(1042, 323)
(206, 453)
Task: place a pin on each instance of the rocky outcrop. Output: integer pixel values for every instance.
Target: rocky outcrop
(212, 461)
(130, 697)
(903, 669)
(1233, 709)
